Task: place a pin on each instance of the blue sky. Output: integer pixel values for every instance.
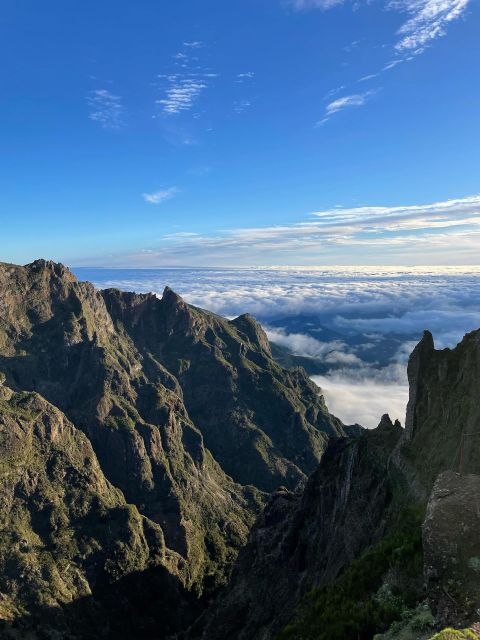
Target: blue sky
(248, 132)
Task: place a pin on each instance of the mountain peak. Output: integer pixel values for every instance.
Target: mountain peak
(57, 268)
(252, 330)
(170, 297)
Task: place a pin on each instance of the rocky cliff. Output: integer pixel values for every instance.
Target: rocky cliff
(188, 422)
(385, 533)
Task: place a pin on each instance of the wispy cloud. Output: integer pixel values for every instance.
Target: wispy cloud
(157, 197)
(429, 20)
(106, 109)
(247, 75)
(241, 105)
(333, 352)
(440, 232)
(355, 100)
(186, 83)
(370, 76)
(182, 93)
(303, 5)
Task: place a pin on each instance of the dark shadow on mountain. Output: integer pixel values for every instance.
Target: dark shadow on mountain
(146, 605)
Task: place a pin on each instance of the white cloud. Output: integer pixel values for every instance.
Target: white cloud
(371, 300)
(429, 20)
(363, 401)
(181, 94)
(106, 109)
(300, 344)
(302, 5)
(186, 83)
(241, 105)
(347, 101)
(157, 197)
(439, 233)
(370, 76)
(355, 100)
(392, 65)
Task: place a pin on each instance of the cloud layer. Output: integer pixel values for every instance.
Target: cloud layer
(363, 401)
(437, 233)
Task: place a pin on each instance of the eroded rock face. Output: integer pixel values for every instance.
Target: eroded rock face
(305, 541)
(443, 417)
(451, 538)
(68, 539)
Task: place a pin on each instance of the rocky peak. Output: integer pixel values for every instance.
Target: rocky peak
(253, 331)
(387, 424)
(415, 367)
(56, 268)
(171, 298)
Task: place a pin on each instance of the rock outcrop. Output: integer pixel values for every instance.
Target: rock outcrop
(451, 544)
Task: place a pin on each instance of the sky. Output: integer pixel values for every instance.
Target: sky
(266, 132)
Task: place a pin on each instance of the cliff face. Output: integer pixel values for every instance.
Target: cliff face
(68, 539)
(305, 541)
(344, 559)
(189, 417)
(443, 417)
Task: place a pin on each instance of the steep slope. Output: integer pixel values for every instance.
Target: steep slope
(443, 414)
(344, 559)
(304, 541)
(68, 540)
(264, 425)
(158, 387)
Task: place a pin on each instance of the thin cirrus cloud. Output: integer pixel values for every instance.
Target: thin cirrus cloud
(245, 76)
(302, 5)
(345, 102)
(440, 233)
(182, 93)
(160, 196)
(106, 108)
(427, 21)
(187, 82)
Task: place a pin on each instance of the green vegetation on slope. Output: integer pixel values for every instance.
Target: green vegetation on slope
(454, 634)
(363, 601)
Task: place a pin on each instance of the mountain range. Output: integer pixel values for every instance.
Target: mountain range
(163, 476)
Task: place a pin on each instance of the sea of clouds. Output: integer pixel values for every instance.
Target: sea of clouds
(359, 306)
